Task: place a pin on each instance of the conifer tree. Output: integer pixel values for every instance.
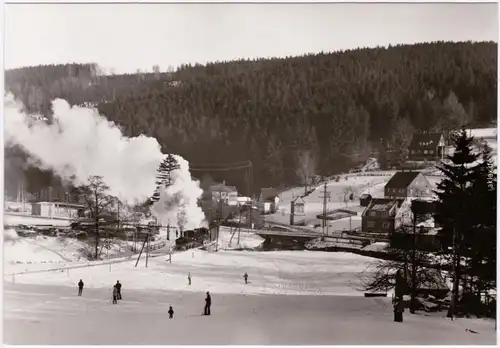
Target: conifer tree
(455, 206)
(164, 175)
(481, 268)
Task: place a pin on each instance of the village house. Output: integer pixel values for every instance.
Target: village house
(408, 184)
(379, 217)
(227, 194)
(426, 147)
(271, 197)
(56, 210)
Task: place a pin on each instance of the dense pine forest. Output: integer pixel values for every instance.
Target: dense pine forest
(325, 111)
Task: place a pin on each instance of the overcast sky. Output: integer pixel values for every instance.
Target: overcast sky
(126, 37)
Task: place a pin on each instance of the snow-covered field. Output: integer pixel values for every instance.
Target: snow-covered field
(50, 315)
(285, 272)
(42, 304)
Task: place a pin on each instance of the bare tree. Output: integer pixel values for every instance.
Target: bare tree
(156, 71)
(306, 167)
(97, 199)
(405, 257)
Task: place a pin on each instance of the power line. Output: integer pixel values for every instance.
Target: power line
(219, 169)
(230, 164)
(222, 167)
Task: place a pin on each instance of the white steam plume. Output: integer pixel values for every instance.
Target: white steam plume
(80, 143)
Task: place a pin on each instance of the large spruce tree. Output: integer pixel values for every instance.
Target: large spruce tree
(164, 175)
(466, 213)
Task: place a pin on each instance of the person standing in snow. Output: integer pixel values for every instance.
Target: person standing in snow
(171, 313)
(80, 287)
(399, 308)
(119, 290)
(245, 276)
(208, 303)
(189, 278)
(115, 294)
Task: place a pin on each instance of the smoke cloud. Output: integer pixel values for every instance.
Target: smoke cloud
(80, 143)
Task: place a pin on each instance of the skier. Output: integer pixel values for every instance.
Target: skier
(246, 277)
(399, 308)
(119, 290)
(115, 294)
(171, 313)
(80, 287)
(189, 278)
(208, 303)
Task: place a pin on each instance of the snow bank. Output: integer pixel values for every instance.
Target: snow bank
(10, 235)
(13, 220)
(44, 252)
(377, 247)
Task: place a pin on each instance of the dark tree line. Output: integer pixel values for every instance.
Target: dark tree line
(338, 107)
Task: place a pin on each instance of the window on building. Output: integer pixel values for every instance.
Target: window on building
(431, 152)
(425, 152)
(370, 224)
(372, 213)
(401, 190)
(386, 224)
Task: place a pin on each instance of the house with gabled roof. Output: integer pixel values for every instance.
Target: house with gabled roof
(270, 195)
(426, 147)
(379, 217)
(407, 184)
(224, 193)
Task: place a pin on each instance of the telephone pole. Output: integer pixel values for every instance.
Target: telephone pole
(325, 196)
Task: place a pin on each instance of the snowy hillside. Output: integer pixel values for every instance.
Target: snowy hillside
(355, 183)
(22, 254)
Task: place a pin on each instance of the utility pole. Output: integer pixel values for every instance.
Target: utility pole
(414, 265)
(325, 196)
(147, 248)
(118, 201)
(219, 215)
(239, 223)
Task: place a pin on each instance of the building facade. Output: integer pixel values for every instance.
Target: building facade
(270, 195)
(56, 210)
(407, 184)
(380, 216)
(426, 147)
(226, 194)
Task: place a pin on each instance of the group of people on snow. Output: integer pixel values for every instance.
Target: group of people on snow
(117, 295)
